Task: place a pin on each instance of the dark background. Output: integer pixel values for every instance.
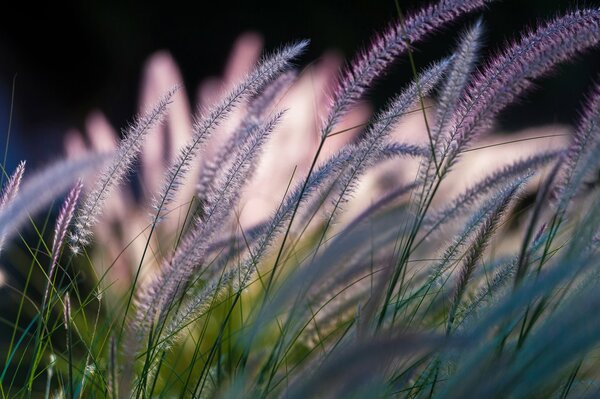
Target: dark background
(71, 58)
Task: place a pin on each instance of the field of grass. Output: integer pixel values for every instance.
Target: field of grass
(287, 241)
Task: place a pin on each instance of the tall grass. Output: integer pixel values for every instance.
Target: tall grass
(422, 292)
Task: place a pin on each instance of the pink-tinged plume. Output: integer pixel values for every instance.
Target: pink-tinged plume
(386, 47)
(510, 73)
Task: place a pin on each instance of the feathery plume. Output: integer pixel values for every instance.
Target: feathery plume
(393, 150)
(256, 110)
(510, 73)
(242, 167)
(224, 197)
(12, 186)
(40, 189)
(500, 279)
(371, 146)
(196, 306)
(452, 90)
(241, 276)
(481, 215)
(116, 172)
(266, 71)
(237, 279)
(60, 231)
(10, 191)
(476, 251)
(177, 272)
(386, 47)
(471, 194)
(458, 79)
(579, 156)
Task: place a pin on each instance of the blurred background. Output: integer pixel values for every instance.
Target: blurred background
(65, 60)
